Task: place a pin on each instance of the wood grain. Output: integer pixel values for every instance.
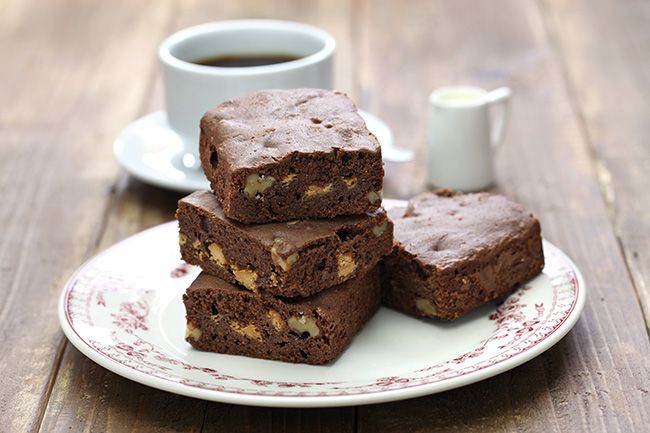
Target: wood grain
(245, 419)
(87, 397)
(597, 379)
(68, 89)
(604, 46)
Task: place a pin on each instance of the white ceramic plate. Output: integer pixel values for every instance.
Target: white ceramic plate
(123, 310)
(151, 151)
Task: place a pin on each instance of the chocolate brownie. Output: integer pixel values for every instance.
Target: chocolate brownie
(454, 253)
(280, 155)
(296, 258)
(224, 318)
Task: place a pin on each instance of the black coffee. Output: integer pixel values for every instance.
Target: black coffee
(243, 61)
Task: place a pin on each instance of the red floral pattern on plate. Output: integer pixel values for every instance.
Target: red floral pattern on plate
(126, 297)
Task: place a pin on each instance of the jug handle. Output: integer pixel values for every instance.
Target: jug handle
(499, 98)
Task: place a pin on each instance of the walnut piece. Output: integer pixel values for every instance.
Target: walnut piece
(182, 239)
(216, 254)
(284, 263)
(379, 230)
(282, 254)
(192, 332)
(426, 307)
(286, 180)
(257, 184)
(350, 182)
(313, 190)
(304, 324)
(276, 320)
(245, 277)
(249, 330)
(374, 196)
(196, 244)
(347, 265)
(274, 279)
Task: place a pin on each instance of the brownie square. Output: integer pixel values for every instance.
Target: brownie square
(455, 252)
(224, 318)
(296, 258)
(280, 155)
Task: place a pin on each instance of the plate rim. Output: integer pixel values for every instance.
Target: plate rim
(358, 399)
(134, 169)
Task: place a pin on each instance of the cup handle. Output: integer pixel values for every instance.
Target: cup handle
(499, 98)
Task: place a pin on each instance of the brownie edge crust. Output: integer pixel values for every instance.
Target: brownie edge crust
(226, 319)
(456, 252)
(280, 155)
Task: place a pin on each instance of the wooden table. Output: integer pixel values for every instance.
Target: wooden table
(577, 153)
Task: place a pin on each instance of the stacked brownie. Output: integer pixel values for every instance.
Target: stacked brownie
(290, 238)
(455, 252)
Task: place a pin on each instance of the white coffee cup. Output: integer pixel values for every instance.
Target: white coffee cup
(191, 89)
(462, 136)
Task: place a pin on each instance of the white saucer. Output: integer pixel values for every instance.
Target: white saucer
(151, 151)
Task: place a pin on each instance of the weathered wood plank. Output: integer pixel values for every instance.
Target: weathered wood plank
(597, 378)
(88, 397)
(245, 419)
(62, 63)
(604, 47)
